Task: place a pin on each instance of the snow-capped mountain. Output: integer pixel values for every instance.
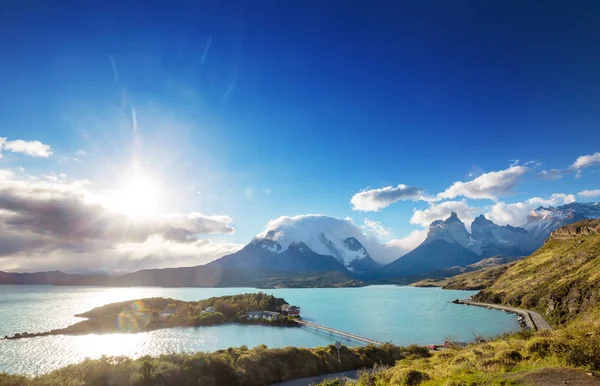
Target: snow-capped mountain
(543, 220)
(451, 230)
(448, 242)
(328, 242)
(489, 239)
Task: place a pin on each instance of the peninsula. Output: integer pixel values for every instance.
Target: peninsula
(149, 314)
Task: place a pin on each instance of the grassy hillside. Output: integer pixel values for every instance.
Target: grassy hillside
(561, 280)
(568, 356)
(474, 280)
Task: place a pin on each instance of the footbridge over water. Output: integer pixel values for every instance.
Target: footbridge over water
(338, 332)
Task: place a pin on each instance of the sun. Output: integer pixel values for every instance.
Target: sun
(137, 198)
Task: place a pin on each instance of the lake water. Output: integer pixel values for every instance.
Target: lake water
(402, 315)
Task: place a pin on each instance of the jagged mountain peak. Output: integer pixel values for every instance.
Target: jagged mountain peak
(452, 230)
(453, 218)
(482, 220)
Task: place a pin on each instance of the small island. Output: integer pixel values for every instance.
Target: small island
(149, 314)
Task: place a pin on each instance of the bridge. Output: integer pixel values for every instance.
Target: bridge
(338, 332)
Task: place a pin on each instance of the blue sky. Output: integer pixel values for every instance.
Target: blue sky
(256, 110)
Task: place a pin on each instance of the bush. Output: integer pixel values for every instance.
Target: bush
(415, 351)
(539, 346)
(409, 377)
(509, 358)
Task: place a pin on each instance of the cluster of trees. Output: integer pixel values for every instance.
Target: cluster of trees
(230, 306)
(234, 366)
(227, 309)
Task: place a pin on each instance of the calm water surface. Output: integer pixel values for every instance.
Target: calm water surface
(402, 315)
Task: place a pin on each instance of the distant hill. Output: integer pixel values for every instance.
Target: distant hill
(561, 280)
(470, 280)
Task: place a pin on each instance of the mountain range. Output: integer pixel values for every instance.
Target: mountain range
(322, 253)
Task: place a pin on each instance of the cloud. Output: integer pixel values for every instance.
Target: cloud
(516, 213)
(374, 200)
(51, 215)
(31, 148)
(435, 211)
(408, 243)
(308, 228)
(589, 193)
(81, 152)
(489, 185)
(552, 174)
(376, 229)
(583, 162)
(394, 247)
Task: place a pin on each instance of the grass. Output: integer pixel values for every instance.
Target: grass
(561, 280)
(474, 280)
(493, 362)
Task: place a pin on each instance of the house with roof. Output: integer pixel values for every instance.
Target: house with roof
(210, 310)
(290, 310)
(262, 315)
(167, 312)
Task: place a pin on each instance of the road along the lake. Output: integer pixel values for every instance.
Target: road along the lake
(534, 320)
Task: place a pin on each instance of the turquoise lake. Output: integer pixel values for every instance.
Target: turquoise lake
(402, 315)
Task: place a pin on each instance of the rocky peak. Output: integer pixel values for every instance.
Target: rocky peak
(453, 218)
(451, 230)
(481, 220)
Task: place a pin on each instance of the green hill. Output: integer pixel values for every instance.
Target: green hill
(561, 280)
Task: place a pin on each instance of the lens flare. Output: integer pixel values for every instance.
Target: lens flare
(134, 317)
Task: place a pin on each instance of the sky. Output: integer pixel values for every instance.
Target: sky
(151, 134)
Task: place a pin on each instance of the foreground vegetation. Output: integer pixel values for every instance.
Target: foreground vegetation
(234, 366)
(148, 314)
(509, 360)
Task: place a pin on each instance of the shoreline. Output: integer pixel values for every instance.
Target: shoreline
(533, 320)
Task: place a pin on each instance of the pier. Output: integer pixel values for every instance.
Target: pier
(338, 332)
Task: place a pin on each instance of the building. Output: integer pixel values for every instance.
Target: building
(290, 310)
(258, 315)
(210, 309)
(167, 312)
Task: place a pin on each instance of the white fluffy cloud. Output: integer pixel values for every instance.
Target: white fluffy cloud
(589, 193)
(376, 229)
(585, 161)
(397, 247)
(309, 227)
(516, 214)
(435, 211)
(408, 243)
(489, 185)
(52, 219)
(31, 148)
(373, 200)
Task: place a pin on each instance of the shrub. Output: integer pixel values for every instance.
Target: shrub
(409, 377)
(509, 358)
(415, 351)
(540, 346)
